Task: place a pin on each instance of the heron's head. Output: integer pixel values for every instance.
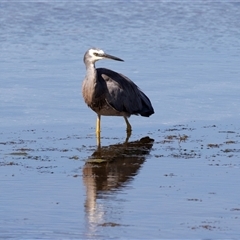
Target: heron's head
(95, 54)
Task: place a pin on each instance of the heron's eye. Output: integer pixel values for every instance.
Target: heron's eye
(96, 54)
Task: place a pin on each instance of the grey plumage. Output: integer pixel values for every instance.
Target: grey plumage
(110, 93)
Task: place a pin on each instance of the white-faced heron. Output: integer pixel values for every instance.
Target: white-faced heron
(109, 93)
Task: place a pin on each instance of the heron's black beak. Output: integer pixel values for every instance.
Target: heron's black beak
(112, 57)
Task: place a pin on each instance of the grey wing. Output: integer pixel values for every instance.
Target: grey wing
(123, 95)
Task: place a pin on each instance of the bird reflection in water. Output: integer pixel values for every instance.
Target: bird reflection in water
(109, 169)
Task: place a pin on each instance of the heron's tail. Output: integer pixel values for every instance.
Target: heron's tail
(147, 109)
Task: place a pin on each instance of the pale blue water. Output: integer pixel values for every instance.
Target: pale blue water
(184, 55)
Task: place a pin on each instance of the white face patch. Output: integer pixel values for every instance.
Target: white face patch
(92, 51)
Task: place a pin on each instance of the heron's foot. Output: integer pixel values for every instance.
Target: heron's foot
(129, 130)
(129, 127)
(129, 133)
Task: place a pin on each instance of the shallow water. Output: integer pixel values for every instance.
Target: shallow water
(180, 181)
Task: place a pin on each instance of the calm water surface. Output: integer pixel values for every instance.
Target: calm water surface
(177, 177)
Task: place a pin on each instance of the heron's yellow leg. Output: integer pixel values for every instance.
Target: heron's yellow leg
(98, 125)
(129, 128)
(98, 130)
(98, 136)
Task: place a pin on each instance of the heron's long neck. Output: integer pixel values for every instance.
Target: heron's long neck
(91, 72)
(90, 84)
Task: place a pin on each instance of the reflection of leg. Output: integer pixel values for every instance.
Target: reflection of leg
(129, 128)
